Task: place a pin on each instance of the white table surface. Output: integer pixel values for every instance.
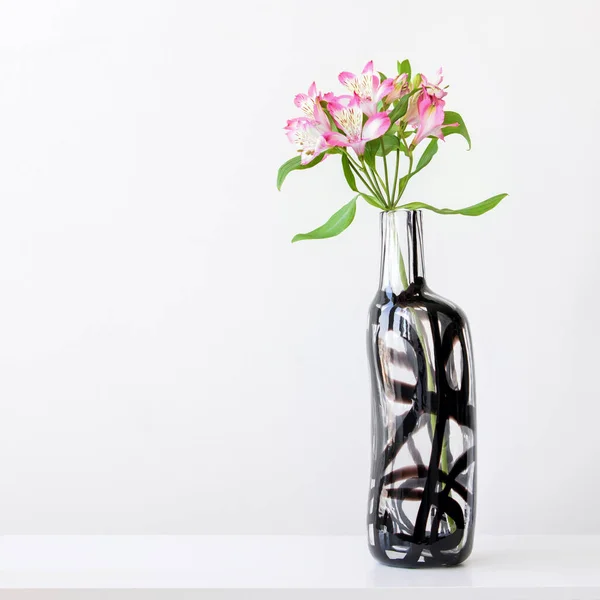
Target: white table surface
(506, 566)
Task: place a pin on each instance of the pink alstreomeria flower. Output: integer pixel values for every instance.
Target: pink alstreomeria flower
(348, 116)
(368, 87)
(430, 118)
(308, 132)
(426, 110)
(399, 89)
(306, 102)
(434, 89)
(307, 136)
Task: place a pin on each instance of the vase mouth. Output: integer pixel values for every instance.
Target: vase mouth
(401, 213)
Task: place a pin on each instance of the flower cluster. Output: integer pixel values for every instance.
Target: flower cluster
(364, 113)
(375, 117)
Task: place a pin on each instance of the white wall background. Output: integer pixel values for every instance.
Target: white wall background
(170, 363)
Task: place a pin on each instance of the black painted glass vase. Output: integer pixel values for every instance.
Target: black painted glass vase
(421, 509)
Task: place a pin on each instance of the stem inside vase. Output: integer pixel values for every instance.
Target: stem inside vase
(430, 385)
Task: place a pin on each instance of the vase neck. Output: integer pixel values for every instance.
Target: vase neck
(402, 263)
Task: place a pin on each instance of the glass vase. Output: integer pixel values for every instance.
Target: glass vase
(421, 508)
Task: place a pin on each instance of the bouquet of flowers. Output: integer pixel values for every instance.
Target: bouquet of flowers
(377, 125)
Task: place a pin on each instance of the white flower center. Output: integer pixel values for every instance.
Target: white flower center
(308, 106)
(306, 138)
(362, 85)
(350, 121)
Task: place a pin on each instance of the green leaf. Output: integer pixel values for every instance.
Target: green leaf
(454, 117)
(382, 77)
(294, 164)
(401, 107)
(426, 157)
(348, 173)
(371, 152)
(404, 67)
(469, 211)
(373, 201)
(403, 182)
(336, 224)
(390, 143)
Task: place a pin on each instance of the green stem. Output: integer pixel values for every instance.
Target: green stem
(352, 160)
(430, 381)
(385, 167)
(403, 276)
(428, 368)
(357, 172)
(374, 183)
(402, 187)
(396, 174)
(374, 171)
(444, 461)
(356, 168)
(419, 327)
(409, 152)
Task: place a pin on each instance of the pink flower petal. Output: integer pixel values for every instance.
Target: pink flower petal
(412, 114)
(344, 77)
(334, 107)
(312, 90)
(355, 101)
(300, 100)
(334, 138)
(292, 126)
(321, 117)
(368, 67)
(359, 147)
(342, 100)
(306, 157)
(384, 89)
(369, 107)
(376, 126)
(431, 118)
(321, 145)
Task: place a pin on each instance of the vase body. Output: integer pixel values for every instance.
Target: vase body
(421, 508)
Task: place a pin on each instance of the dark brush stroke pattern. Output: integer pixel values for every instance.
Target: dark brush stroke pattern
(442, 531)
